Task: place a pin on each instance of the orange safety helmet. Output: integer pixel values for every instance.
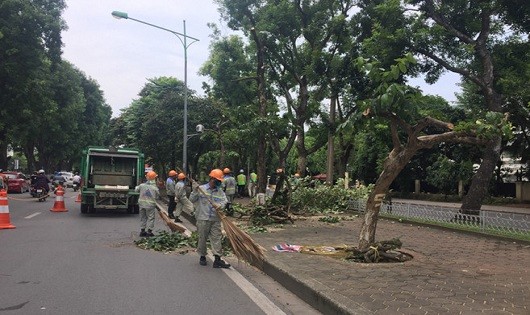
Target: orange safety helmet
(172, 173)
(151, 175)
(182, 176)
(217, 174)
(226, 171)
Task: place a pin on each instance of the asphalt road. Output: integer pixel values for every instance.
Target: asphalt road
(69, 263)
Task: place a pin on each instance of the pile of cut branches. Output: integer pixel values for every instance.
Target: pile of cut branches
(380, 252)
(276, 209)
(269, 214)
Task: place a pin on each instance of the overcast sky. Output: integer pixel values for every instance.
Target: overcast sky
(122, 54)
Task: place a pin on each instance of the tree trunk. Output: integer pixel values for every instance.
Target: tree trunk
(30, 157)
(331, 149)
(262, 111)
(472, 201)
(392, 167)
(262, 171)
(302, 152)
(3, 150)
(345, 153)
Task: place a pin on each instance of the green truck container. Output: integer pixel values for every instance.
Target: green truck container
(109, 177)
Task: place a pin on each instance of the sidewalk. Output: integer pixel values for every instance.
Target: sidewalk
(452, 272)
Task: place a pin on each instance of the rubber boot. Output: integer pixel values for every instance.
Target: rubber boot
(150, 233)
(143, 233)
(219, 263)
(202, 261)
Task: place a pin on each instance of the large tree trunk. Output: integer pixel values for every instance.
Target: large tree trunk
(472, 201)
(302, 152)
(30, 157)
(331, 149)
(395, 162)
(262, 111)
(345, 152)
(3, 151)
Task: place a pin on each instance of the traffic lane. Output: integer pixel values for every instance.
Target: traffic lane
(22, 205)
(66, 262)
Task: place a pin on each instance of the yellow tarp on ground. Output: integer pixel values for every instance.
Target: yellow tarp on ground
(336, 251)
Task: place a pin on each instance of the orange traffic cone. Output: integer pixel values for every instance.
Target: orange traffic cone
(5, 221)
(58, 206)
(78, 199)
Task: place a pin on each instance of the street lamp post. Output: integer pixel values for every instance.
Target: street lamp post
(183, 39)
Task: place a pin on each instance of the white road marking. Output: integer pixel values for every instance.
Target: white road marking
(32, 215)
(253, 293)
(261, 300)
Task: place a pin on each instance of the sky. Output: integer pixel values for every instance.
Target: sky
(122, 54)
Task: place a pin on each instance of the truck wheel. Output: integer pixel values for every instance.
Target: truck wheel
(136, 209)
(84, 208)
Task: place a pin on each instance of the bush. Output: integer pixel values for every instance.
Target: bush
(321, 198)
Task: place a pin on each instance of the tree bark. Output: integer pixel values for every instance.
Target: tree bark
(30, 157)
(302, 152)
(331, 149)
(395, 162)
(262, 110)
(3, 150)
(478, 190)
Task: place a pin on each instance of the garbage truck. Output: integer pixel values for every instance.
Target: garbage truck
(109, 178)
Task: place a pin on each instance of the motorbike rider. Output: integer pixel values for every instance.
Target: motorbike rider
(42, 182)
(33, 178)
(76, 180)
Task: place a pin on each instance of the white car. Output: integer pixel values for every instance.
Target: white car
(68, 177)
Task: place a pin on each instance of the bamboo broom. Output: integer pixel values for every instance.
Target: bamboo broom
(173, 226)
(244, 247)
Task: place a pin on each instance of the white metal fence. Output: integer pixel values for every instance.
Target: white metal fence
(486, 219)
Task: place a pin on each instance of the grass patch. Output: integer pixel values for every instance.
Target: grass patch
(522, 236)
(329, 219)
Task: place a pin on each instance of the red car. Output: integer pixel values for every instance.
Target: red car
(16, 182)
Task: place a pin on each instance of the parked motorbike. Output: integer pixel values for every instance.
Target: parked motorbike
(75, 186)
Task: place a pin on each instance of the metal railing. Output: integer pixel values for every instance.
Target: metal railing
(486, 220)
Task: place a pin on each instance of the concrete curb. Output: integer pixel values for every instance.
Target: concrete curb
(363, 291)
(319, 296)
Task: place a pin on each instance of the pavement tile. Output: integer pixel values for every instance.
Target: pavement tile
(451, 271)
(417, 302)
(433, 309)
(397, 305)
